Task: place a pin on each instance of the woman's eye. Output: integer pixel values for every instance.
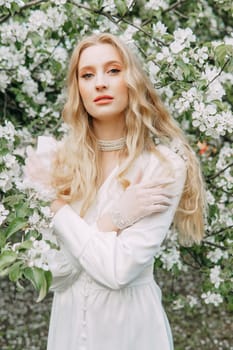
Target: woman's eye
(114, 71)
(87, 76)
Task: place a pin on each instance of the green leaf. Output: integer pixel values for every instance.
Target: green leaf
(40, 280)
(15, 198)
(24, 245)
(7, 258)
(15, 271)
(121, 7)
(223, 53)
(16, 225)
(22, 210)
(2, 238)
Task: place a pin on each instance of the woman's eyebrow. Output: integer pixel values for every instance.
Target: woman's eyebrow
(113, 62)
(108, 63)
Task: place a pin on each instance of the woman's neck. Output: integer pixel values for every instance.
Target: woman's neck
(108, 131)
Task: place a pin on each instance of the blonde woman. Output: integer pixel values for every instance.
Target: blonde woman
(123, 174)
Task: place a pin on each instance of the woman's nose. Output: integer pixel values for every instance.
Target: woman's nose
(101, 82)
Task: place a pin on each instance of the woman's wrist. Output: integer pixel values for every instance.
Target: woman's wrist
(105, 223)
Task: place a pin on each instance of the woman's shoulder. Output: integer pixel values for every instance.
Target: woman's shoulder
(169, 156)
(173, 150)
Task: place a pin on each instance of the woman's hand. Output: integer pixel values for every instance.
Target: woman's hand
(38, 164)
(56, 205)
(37, 170)
(138, 200)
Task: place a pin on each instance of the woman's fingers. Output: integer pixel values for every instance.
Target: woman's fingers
(159, 183)
(156, 200)
(159, 192)
(157, 208)
(161, 200)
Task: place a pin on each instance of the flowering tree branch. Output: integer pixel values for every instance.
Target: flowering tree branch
(194, 259)
(180, 14)
(219, 172)
(174, 6)
(214, 245)
(219, 231)
(160, 42)
(29, 4)
(116, 20)
(219, 73)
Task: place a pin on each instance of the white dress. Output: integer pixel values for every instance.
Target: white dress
(105, 296)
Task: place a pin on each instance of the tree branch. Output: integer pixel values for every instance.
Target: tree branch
(116, 20)
(29, 4)
(219, 73)
(219, 231)
(220, 172)
(178, 13)
(218, 188)
(213, 245)
(99, 12)
(174, 6)
(160, 42)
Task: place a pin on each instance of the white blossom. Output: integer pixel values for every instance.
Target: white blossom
(38, 19)
(215, 91)
(178, 304)
(56, 17)
(159, 29)
(212, 298)
(46, 211)
(37, 255)
(7, 3)
(3, 213)
(34, 218)
(13, 31)
(201, 55)
(210, 198)
(60, 55)
(225, 153)
(192, 301)
(182, 39)
(9, 160)
(22, 73)
(10, 57)
(186, 100)
(46, 76)
(215, 276)
(5, 181)
(30, 87)
(59, 2)
(156, 5)
(170, 258)
(4, 81)
(109, 5)
(217, 254)
(8, 132)
(40, 98)
(165, 54)
(153, 71)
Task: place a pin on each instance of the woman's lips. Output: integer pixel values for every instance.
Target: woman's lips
(103, 99)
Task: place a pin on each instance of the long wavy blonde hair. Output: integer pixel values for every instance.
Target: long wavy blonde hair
(77, 167)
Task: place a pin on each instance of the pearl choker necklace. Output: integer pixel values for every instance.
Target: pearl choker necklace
(111, 145)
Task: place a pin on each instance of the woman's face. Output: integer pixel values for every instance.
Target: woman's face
(102, 86)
